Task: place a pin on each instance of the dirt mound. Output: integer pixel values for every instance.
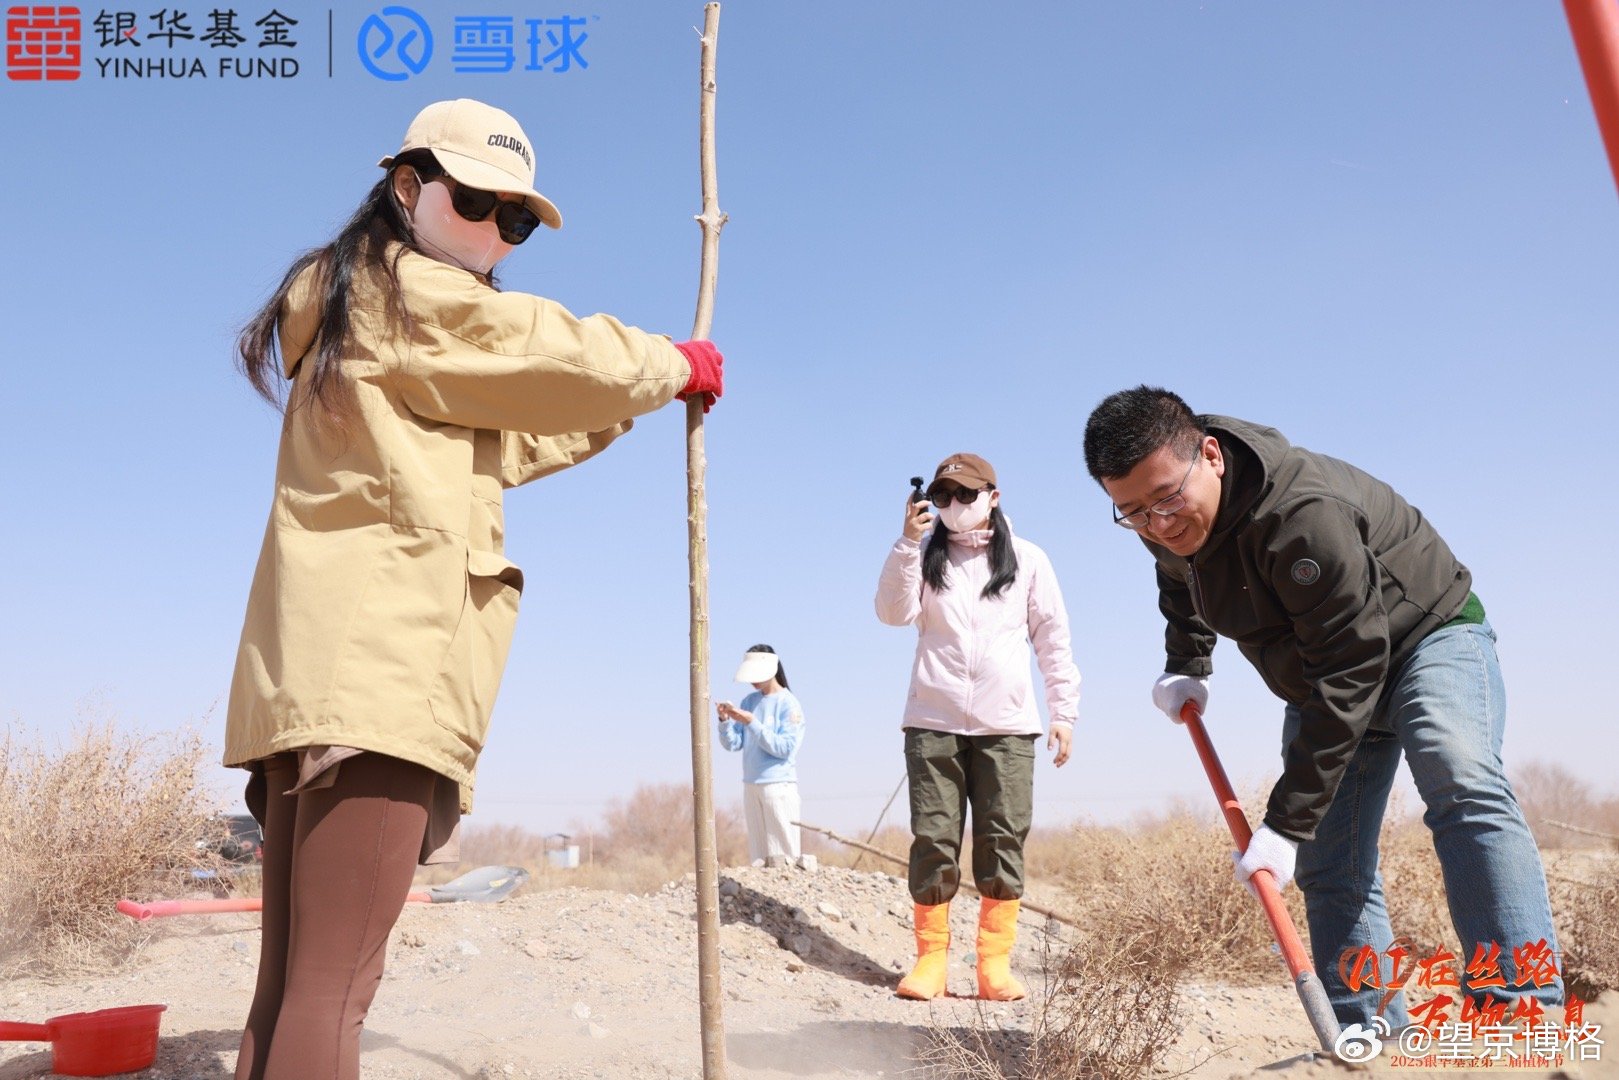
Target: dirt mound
(578, 983)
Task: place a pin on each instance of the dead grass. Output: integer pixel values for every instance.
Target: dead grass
(1550, 793)
(1582, 879)
(1163, 879)
(1585, 900)
(1108, 1009)
(1171, 877)
(1167, 880)
(1157, 905)
(643, 842)
(1592, 929)
(106, 815)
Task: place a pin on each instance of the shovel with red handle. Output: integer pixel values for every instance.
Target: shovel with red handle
(1311, 993)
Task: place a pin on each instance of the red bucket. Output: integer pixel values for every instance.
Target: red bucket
(100, 1043)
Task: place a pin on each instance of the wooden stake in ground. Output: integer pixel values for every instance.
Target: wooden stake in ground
(702, 783)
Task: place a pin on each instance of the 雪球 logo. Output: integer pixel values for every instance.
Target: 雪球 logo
(395, 43)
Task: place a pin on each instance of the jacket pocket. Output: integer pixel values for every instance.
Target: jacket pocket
(463, 696)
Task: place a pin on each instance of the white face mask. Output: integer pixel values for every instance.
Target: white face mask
(964, 517)
(451, 238)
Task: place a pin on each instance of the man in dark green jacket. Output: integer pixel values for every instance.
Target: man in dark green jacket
(1357, 615)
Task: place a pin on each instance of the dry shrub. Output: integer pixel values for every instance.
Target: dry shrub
(1167, 880)
(1109, 1009)
(1172, 876)
(1592, 929)
(643, 842)
(503, 845)
(1585, 907)
(109, 815)
(1585, 903)
(1580, 830)
(655, 823)
(1550, 794)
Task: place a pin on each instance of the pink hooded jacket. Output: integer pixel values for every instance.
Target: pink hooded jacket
(971, 675)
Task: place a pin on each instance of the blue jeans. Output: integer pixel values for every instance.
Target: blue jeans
(1445, 710)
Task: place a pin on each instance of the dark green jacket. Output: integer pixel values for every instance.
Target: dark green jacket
(1326, 579)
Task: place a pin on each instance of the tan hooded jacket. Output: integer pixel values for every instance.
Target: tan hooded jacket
(383, 607)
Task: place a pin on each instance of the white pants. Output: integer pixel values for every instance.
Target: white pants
(770, 810)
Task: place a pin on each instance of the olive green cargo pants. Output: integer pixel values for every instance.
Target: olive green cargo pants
(992, 773)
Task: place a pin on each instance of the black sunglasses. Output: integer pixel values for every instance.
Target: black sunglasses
(942, 497)
(514, 220)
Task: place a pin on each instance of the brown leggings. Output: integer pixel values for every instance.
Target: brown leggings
(338, 862)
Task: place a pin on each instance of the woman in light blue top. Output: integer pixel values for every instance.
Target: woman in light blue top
(768, 729)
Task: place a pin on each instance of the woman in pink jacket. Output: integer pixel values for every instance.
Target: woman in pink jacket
(978, 596)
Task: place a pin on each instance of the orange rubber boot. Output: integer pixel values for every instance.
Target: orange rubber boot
(927, 978)
(997, 930)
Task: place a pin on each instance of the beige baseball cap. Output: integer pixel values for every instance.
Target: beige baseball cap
(480, 146)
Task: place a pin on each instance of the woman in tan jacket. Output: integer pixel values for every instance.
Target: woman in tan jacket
(383, 606)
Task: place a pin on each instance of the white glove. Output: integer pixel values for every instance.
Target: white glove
(1267, 851)
(1170, 692)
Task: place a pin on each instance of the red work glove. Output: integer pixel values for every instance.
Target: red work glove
(707, 371)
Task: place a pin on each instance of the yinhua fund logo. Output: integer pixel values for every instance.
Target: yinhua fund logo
(54, 43)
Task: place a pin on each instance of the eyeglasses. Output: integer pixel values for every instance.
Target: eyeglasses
(514, 220)
(1169, 504)
(943, 497)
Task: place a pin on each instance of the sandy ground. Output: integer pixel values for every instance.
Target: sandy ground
(574, 983)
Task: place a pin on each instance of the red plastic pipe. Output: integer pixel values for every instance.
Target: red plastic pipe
(1595, 26)
(158, 908)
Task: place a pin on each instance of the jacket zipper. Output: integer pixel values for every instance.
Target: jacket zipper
(972, 649)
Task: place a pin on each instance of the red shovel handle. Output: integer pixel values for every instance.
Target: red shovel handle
(142, 912)
(1595, 26)
(10, 1032)
(1281, 923)
(1312, 995)
(158, 908)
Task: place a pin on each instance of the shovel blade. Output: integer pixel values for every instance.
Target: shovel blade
(485, 885)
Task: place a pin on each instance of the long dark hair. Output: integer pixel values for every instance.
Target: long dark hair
(360, 247)
(1002, 558)
(781, 672)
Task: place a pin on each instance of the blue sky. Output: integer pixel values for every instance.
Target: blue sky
(1386, 228)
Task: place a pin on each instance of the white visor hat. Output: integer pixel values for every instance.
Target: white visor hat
(758, 667)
